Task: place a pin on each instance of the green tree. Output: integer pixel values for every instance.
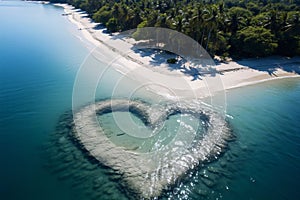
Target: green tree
(256, 42)
(112, 25)
(238, 18)
(220, 26)
(102, 15)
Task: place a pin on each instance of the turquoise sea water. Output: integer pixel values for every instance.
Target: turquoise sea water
(38, 63)
(40, 54)
(266, 124)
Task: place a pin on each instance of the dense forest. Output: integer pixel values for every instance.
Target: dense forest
(235, 28)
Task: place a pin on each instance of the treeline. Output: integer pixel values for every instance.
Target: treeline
(236, 28)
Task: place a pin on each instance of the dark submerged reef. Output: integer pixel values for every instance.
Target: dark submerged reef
(68, 161)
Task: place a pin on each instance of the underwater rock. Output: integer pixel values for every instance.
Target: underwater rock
(223, 164)
(202, 192)
(208, 182)
(213, 170)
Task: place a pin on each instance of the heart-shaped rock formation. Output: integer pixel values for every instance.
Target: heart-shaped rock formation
(147, 174)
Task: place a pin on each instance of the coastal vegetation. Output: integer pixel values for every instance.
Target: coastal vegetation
(235, 28)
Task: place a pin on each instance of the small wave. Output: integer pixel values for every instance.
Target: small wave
(229, 116)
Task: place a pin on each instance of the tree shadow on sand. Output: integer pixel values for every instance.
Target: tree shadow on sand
(159, 57)
(198, 71)
(271, 65)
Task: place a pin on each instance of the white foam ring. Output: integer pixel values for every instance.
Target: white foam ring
(148, 174)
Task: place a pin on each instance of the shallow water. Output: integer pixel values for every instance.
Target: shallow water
(39, 56)
(154, 140)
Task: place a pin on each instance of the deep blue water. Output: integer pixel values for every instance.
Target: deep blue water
(39, 57)
(266, 123)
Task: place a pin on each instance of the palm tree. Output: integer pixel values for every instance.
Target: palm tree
(238, 17)
(211, 22)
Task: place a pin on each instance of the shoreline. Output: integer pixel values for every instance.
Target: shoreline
(233, 74)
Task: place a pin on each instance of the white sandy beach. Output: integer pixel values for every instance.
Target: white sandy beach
(164, 81)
